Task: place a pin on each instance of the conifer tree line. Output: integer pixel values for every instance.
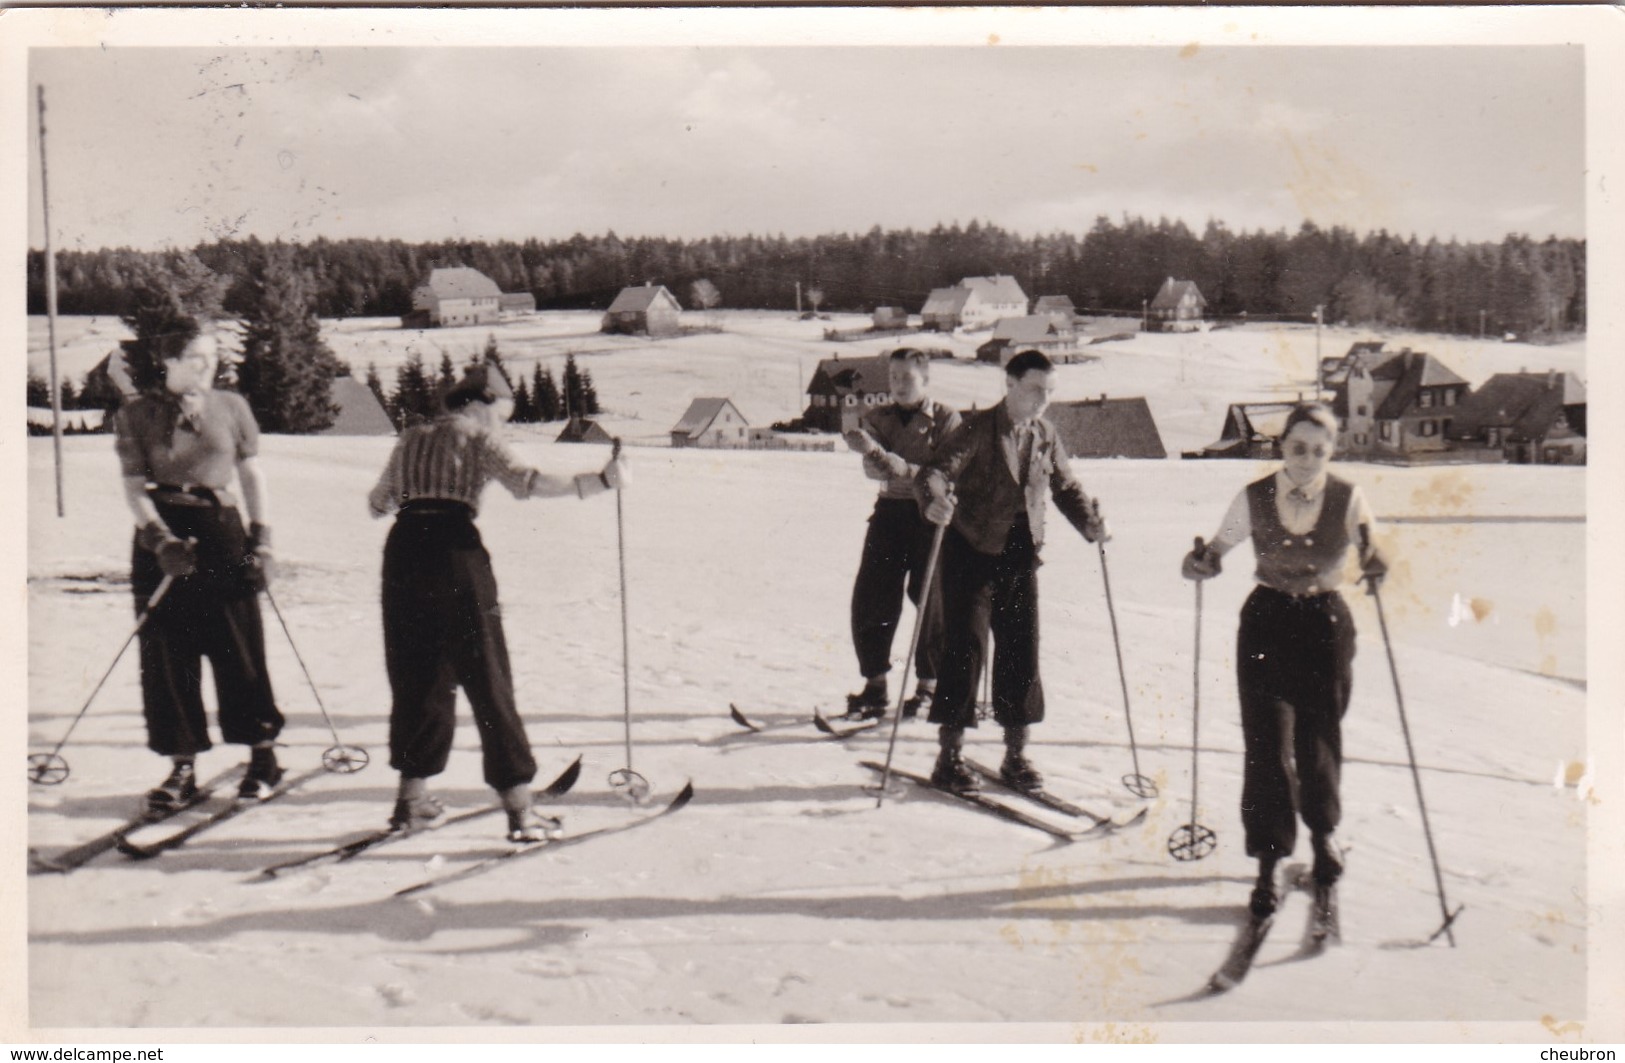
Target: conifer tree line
(1519, 284)
(415, 397)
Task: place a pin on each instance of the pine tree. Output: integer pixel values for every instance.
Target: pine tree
(413, 399)
(544, 392)
(287, 369)
(448, 373)
(574, 399)
(589, 395)
(39, 391)
(524, 411)
(375, 384)
(70, 398)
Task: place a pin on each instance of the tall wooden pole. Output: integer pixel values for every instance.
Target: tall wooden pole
(50, 307)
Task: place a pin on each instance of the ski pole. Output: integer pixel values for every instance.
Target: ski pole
(1416, 779)
(340, 758)
(913, 648)
(625, 780)
(1194, 841)
(49, 769)
(1136, 784)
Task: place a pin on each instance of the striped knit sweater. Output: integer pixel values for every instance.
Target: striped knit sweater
(451, 457)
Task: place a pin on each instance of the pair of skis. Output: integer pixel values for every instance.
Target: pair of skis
(1100, 826)
(834, 729)
(1323, 928)
(72, 859)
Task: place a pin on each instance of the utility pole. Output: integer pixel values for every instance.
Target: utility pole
(50, 306)
(1481, 314)
(1319, 312)
(798, 298)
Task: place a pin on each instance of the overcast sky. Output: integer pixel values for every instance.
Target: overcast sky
(169, 146)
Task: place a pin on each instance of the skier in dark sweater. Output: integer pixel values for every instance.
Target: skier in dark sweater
(895, 441)
(179, 444)
(1295, 644)
(442, 621)
(987, 483)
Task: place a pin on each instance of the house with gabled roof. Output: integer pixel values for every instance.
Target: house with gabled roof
(711, 422)
(584, 430)
(975, 302)
(1177, 307)
(647, 309)
(1032, 332)
(1335, 369)
(454, 295)
(1404, 407)
(1058, 307)
(1107, 428)
(843, 389)
(1251, 430)
(1528, 417)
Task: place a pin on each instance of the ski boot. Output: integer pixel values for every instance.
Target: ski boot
(1017, 770)
(1328, 859)
(868, 705)
(175, 792)
(919, 702)
(259, 781)
(526, 826)
(416, 813)
(950, 772)
(1266, 896)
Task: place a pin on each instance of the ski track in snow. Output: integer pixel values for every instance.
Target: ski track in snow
(781, 894)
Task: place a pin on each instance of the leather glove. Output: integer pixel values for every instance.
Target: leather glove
(260, 562)
(1094, 524)
(940, 510)
(1373, 570)
(1201, 563)
(176, 557)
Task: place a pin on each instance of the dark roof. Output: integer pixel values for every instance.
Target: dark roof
(359, 411)
(842, 376)
(700, 414)
(461, 282)
(584, 430)
(1527, 403)
(639, 299)
(1409, 371)
(1107, 428)
(1172, 291)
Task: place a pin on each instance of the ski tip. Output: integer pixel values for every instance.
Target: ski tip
(684, 796)
(40, 864)
(740, 718)
(822, 724)
(566, 780)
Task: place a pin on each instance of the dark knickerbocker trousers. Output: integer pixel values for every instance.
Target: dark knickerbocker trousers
(995, 593)
(213, 613)
(442, 629)
(1295, 671)
(895, 551)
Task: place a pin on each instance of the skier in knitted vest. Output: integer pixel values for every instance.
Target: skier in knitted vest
(1295, 644)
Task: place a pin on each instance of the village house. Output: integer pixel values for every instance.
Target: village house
(1527, 417)
(711, 423)
(646, 309)
(1177, 307)
(1364, 353)
(887, 318)
(515, 303)
(975, 302)
(842, 389)
(454, 295)
(1107, 428)
(584, 430)
(1033, 332)
(1401, 410)
(1059, 308)
(1251, 430)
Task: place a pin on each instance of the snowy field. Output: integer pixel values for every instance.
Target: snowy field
(782, 895)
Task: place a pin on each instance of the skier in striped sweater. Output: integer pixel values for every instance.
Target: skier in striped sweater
(442, 624)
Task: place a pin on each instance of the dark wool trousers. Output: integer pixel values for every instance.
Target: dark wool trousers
(1295, 672)
(442, 629)
(213, 613)
(982, 594)
(895, 551)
